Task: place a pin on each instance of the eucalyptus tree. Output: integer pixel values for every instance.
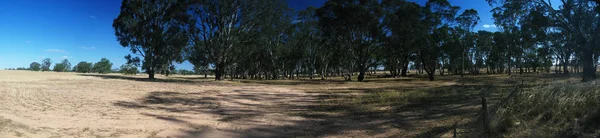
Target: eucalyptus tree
(223, 26)
(466, 22)
(309, 34)
(360, 37)
(573, 18)
(274, 34)
(483, 49)
(46, 63)
(507, 14)
(66, 64)
(403, 20)
(439, 15)
(155, 30)
(34, 66)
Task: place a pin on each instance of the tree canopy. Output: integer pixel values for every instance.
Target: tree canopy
(103, 66)
(265, 39)
(155, 30)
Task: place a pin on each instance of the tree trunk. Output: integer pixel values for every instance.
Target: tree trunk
(589, 72)
(219, 71)
(430, 75)
(404, 69)
(565, 66)
(361, 74)
(151, 74)
(462, 66)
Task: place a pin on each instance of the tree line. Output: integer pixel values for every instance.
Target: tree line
(103, 66)
(265, 39)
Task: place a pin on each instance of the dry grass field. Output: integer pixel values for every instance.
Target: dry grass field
(49, 104)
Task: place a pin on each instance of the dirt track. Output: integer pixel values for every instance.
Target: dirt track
(35, 104)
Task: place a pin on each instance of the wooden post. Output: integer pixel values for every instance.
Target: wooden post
(455, 132)
(485, 121)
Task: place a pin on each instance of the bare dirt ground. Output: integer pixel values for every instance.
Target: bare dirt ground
(48, 104)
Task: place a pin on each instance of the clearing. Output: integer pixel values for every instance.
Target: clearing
(49, 104)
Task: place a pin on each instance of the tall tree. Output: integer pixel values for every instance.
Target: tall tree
(46, 63)
(361, 37)
(438, 15)
(466, 22)
(66, 64)
(223, 26)
(574, 18)
(403, 22)
(156, 30)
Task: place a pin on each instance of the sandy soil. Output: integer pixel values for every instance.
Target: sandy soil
(49, 104)
(36, 104)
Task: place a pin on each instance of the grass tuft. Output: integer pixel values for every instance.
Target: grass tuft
(561, 110)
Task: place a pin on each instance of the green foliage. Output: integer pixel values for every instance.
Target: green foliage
(34, 66)
(46, 63)
(83, 67)
(64, 66)
(362, 36)
(154, 30)
(103, 66)
(227, 29)
(58, 67)
(128, 69)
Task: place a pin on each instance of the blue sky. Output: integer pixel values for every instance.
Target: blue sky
(81, 30)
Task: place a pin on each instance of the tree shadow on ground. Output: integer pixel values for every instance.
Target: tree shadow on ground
(133, 78)
(325, 113)
(294, 82)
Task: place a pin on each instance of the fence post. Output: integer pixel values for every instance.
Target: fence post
(455, 133)
(485, 121)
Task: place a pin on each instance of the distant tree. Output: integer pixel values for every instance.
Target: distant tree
(59, 67)
(66, 64)
(155, 30)
(103, 66)
(46, 63)
(185, 72)
(167, 69)
(129, 69)
(83, 67)
(35, 66)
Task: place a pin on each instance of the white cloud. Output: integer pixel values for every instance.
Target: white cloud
(489, 26)
(56, 51)
(93, 17)
(88, 48)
